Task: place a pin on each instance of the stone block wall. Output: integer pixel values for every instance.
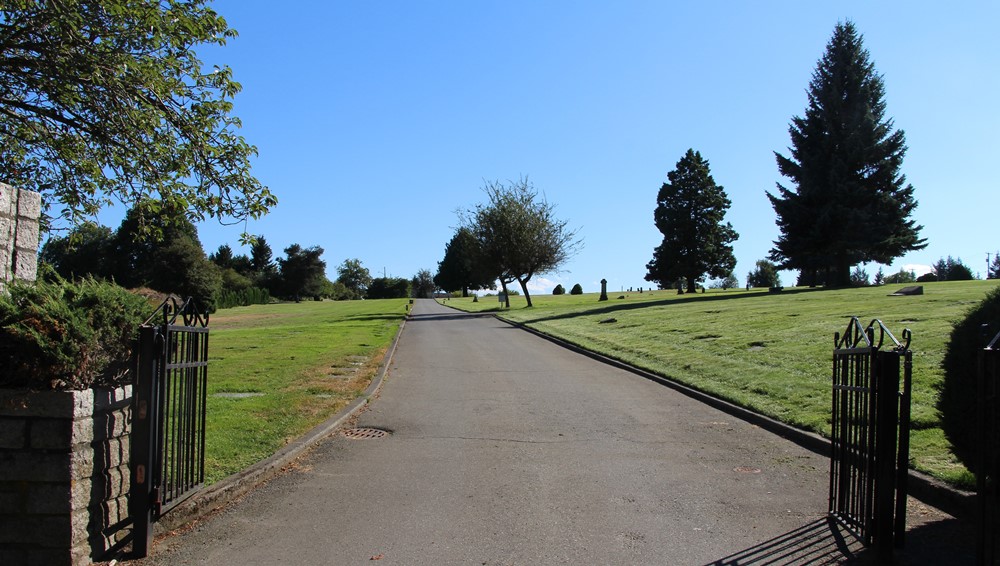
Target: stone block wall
(64, 475)
(19, 213)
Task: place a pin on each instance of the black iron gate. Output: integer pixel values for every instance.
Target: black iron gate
(989, 459)
(870, 434)
(168, 422)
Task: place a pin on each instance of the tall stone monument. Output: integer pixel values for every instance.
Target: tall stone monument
(604, 290)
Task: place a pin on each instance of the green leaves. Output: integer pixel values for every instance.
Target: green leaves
(104, 100)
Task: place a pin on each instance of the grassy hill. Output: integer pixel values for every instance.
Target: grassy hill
(767, 352)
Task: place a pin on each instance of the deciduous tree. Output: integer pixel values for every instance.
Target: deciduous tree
(519, 234)
(849, 203)
(104, 100)
(690, 209)
(354, 276)
(302, 273)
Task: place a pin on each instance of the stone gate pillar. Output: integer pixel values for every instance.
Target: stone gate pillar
(19, 213)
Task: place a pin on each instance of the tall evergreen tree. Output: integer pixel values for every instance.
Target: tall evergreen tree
(689, 213)
(850, 203)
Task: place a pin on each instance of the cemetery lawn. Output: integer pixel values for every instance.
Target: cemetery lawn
(767, 352)
(276, 371)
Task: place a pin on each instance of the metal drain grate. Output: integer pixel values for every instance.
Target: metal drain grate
(364, 433)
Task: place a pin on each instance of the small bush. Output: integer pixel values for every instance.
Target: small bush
(959, 398)
(927, 278)
(230, 298)
(559, 290)
(68, 335)
(576, 290)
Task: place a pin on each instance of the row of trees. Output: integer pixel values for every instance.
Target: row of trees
(168, 257)
(512, 237)
(848, 203)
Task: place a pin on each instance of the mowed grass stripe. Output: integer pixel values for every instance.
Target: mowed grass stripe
(278, 370)
(767, 352)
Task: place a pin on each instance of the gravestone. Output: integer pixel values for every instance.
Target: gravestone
(604, 290)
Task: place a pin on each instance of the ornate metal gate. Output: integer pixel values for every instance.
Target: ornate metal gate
(989, 459)
(870, 413)
(168, 423)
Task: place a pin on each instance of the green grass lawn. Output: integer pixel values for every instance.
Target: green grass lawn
(768, 352)
(277, 370)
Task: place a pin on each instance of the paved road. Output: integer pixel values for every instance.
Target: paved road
(507, 449)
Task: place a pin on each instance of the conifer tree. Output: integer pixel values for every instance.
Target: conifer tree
(849, 203)
(689, 213)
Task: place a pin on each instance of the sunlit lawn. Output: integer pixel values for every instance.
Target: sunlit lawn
(767, 352)
(275, 371)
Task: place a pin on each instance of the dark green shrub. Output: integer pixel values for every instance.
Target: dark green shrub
(68, 335)
(243, 297)
(927, 278)
(958, 400)
(576, 290)
(559, 290)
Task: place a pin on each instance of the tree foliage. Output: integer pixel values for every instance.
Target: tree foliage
(951, 269)
(519, 235)
(355, 277)
(850, 203)
(302, 273)
(104, 100)
(388, 288)
(576, 290)
(85, 250)
(764, 274)
(559, 290)
(464, 266)
(901, 276)
(422, 285)
(994, 268)
(689, 213)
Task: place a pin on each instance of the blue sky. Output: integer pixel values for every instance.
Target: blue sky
(376, 121)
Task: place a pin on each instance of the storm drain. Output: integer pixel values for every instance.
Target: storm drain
(364, 433)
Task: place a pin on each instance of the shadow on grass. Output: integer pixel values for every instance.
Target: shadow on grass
(611, 307)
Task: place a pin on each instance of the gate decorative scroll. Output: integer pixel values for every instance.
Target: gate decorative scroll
(870, 433)
(168, 432)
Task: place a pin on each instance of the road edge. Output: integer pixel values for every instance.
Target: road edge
(960, 504)
(231, 488)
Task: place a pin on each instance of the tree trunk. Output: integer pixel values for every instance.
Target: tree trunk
(524, 287)
(465, 291)
(691, 285)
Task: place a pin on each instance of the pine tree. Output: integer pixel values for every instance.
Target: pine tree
(850, 203)
(689, 213)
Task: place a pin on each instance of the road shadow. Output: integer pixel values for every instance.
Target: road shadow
(823, 541)
(826, 541)
(458, 315)
(611, 307)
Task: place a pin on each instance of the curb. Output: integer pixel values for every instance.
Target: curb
(959, 504)
(228, 489)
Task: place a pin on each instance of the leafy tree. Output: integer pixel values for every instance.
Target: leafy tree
(302, 273)
(388, 288)
(354, 276)
(164, 253)
(994, 270)
(764, 274)
(422, 284)
(850, 203)
(519, 234)
(689, 213)
(86, 250)
(576, 290)
(952, 269)
(559, 290)
(464, 266)
(902, 276)
(106, 100)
